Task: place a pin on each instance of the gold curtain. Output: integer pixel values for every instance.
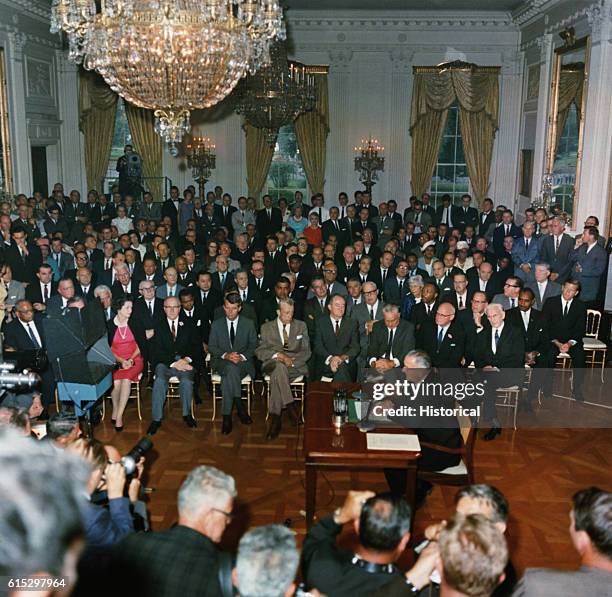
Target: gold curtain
(258, 159)
(311, 130)
(97, 109)
(571, 84)
(434, 92)
(148, 144)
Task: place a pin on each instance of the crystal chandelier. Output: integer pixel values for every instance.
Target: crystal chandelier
(276, 94)
(170, 56)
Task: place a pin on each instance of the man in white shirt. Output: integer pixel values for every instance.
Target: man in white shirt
(171, 287)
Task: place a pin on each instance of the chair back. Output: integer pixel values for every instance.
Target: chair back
(592, 323)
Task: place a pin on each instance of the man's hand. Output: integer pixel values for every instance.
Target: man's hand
(334, 363)
(286, 360)
(419, 574)
(351, 509)
(565, 347)
(384, 364)
(530, 357)
(39, 306)
(149, 334)
(526, 268)
(578, 268)
(233, 357)
(182, 365)
(134, 490)
(369, 325)
(115, 480)
(432, 532)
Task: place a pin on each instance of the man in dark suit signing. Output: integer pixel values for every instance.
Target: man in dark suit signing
(499, 350)
(391, 339)
(232, 344)
(336, 345)
(174, 351)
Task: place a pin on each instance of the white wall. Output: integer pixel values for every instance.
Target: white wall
(539, 38)
(370, 80)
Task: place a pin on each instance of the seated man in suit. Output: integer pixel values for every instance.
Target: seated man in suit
(590, 532)
(336, 345)
(473, 321)
(396, 287)
(174, 351)
(509, 298)
(543, 287)
(232, 344)
(269, 304)
(391, 340)
(440, 279)
(171, 287)
(483, 281)
(498, 351)
(426, 309)
(41, 291)
(443, 339)
(565, 318)
(284, 350)
(123, 286)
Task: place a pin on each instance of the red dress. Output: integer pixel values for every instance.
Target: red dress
(124, 348)
(313, 236)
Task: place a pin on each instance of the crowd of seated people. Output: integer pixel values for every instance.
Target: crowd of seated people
(70, 522)
(357, 287)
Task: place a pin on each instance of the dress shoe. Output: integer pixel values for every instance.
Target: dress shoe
(153, 427)
(295, 416)
(492, 434)
(242, 413)
(190, 421)
(275, 427)
(119, 428)
(226, 428)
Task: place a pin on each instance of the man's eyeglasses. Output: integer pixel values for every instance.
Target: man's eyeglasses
(229, 516)
(511, 285)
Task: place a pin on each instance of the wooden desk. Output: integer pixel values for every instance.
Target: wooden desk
(324, 449)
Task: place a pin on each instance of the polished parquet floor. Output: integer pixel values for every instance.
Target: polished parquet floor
(537, 469)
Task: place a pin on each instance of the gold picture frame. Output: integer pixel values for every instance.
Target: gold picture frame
(5, 141)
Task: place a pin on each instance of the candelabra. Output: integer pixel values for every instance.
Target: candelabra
(369, 162)
(201, 159)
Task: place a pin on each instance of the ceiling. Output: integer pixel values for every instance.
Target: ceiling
(384, 5)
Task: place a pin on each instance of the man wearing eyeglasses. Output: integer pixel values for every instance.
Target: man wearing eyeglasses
(443, 339)
(510, 296)
(184, 559)
(175, 350)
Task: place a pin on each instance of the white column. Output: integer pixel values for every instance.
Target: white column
(339, 145)
(71, 164)
(504, 168)
(593, 190)
(22, 171)
(539, 153)
(397, 157)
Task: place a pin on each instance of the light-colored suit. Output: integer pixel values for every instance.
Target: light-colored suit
(539, 582)
(504, 301)
(298, 348)
(240, 220)
(162, 291)
(15, 292)
(424, 219)
(552, 289)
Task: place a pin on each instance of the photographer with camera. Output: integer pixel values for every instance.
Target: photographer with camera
(129, 167)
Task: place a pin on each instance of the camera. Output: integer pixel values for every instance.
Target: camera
(130, 460)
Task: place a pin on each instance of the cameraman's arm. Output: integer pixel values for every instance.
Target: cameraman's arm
(119, 506)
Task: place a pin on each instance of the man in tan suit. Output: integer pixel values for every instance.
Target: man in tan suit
(284, 349)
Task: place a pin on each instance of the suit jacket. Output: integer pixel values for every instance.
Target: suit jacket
(358, 228)
(199, 318)
(240, 221)
(445, 285)
(213, 300)
(164, 349)
(267, 226)
(510, 351)
(216, 282)
(449, 353)
(344, 272)
(593, 264)
(498, 237)
(312, 314)
(275, 266)
(245, 341)
(342, 233)
(521, 255)
(106, 526)
(89, 295)
(142, 320)
(425, 219)
(361, 314)
(538, 582)
(561, 261)
(15, 292)
(169, 209)
(392, 292)
(465, 319)
(54, 227)
(24, 270)
(226, 221)
(155, 569)
(150, 211)
(454, 214)
(54, 306)
(16, 336)
(268, 306)
(118, 292)
(504, 301)
(474, 286)
(403, 341)
(563, 328)
(536, 335)
(33, 292)
(327, 344)
(466, 219)
(418, 314)
(552, 289)
(298, 347)
(485, 221)
(162, 291)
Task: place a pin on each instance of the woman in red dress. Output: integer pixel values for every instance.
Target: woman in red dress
(312, 233)
(124, 344)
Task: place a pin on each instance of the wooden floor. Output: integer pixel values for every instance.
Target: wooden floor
(537, 469)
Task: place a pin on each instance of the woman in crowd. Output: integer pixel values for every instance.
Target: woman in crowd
(211, 255)
(312, 233)
(413, 297)
(122, 222)
(124, 342)
(297, 221)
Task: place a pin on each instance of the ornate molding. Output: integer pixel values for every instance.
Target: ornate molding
(18, 42)
(340, 59)
(401, 60)
(531, 9)
(39, 10)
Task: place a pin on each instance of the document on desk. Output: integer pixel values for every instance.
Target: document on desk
(393, 441)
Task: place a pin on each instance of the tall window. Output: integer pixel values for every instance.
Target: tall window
(564, 170)
(450, 175)
(121, 138)
(286, 174)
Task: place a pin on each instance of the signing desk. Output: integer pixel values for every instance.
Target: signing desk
(326, 449)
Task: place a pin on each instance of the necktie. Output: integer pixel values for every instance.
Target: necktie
(244, 294)
(222, 280)
(556, 244)
(384, 275)
(354, 301)
(428, 309)
(390, 344)
(566, 310)
(107, 266)
(269, 214)
(372, 313)
(259, 284)
(526, 244)
(33, 337)
(417, 218)
(460, 302)
(322, 301)
(320, 215)
(173, 329)
(171, 291)
(401, 288)
(440, 336)
(342, 216)
(232, 334)
(496, 338)
(512, 303)
(507, 230)
(225, 212)
(336, 224)
(337, 329)
(285, 337)
(46, 293)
